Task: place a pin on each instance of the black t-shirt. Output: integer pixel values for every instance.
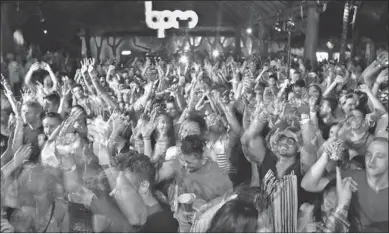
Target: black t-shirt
(161, 221)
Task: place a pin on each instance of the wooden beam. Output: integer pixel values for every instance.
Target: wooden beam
(152, 33)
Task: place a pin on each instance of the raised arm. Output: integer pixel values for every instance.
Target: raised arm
(338, 80)
(28, 79)
(375, 103)
(253, 143)
(236, 128)
(313, 180)
(125, 195)
(99, 88)
(10, 96)
(53, 78)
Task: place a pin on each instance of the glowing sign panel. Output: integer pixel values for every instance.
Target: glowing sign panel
(162, 20)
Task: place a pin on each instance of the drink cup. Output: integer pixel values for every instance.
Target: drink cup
(187, 200)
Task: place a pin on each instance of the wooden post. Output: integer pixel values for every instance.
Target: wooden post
(84, 50)
(289, 53)
(7, 44)
(87, 44)
(312, 35)
(370, 51)
(263, 35)
(238, 39)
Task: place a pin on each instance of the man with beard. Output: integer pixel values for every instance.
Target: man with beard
(193, 172)
(270, 164)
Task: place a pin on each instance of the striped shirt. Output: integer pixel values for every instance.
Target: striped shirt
(220, 154)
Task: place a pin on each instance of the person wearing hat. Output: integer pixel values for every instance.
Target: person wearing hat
(274, 159)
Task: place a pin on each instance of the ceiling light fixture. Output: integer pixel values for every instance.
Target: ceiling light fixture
(126, 52)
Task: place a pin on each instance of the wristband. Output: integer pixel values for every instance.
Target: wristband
(342, 208)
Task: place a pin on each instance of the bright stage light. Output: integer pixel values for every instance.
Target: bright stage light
(184, 59)
(215, 53)
(126, 52)
(45, 31)
(249, 30)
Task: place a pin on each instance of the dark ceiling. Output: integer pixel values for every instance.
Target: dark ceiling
(63, 19)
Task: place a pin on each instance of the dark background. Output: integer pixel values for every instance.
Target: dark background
(64, 19)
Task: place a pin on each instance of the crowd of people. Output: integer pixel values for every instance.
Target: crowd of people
(201, 144)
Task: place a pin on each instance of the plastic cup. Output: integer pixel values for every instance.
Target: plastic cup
(187, 200)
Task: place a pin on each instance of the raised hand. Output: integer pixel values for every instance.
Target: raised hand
(344, 188)
(312, 102)
(111, 68)
(66, 90)
(35, 66)
(7, 86)
(147, 62)
(382, 77)
(364, 88)
(147, 129)
(22, 154)
(119, 122)
(91, 64)
(339, 80)
(45, 66)
(68, 124)
(382, 58)
(84, 66)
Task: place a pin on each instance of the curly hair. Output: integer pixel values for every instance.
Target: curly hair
(193, 144)
(138, 164)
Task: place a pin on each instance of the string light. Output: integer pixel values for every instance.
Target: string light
(330, 45)
(215, 53)
(42, 19)
(44, 31)
(277, 25)
(184, 59)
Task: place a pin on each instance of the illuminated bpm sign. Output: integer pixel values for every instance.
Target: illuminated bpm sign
(162, 20)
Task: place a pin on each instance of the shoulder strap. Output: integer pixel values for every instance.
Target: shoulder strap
(51, 216)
